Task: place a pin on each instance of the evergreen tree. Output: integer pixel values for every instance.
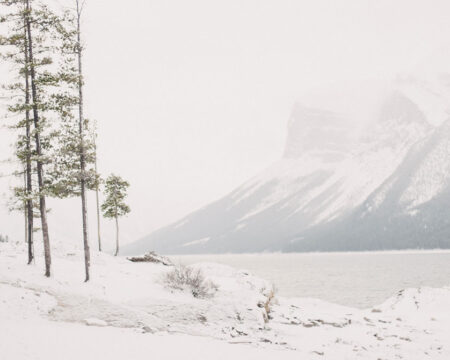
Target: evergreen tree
(72, 173)
(47, 50)
(114, 205)
(31, 40)
(15, 51)
(81, 133)
(39, 22)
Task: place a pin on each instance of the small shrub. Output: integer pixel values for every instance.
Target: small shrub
(268, 303)
(3, 239)
(193, 280)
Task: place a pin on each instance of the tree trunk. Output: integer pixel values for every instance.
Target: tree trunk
(98, 205)
(98, 218)
(40, 170)
(25, 206)
(87, 256)
(29, 185)
(117, 237)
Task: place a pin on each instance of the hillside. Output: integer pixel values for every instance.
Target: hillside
(339, 185)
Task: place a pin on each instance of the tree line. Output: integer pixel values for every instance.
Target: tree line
(55, 145)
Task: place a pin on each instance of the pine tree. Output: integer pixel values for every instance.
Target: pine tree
(79, 51)
(39, 21)
(114, 205)
(72, 173)
(28, 175)
(15, 45)
(32, 38)
(14, 51)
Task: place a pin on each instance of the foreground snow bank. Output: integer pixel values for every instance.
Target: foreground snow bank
(127, 311)
(32, 336)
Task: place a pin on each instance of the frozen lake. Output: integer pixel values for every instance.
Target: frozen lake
(360, 279)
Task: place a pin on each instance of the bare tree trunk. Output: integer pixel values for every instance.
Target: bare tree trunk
(87, 256)
(96, 194)
(25, 207)
(117, 237)
(29, 186)
(40, 170)
(97, 198)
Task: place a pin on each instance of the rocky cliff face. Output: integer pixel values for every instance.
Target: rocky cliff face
(386, 187)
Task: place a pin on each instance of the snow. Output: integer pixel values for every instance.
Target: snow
(378, 152)
(95, 322)
(353, 175)
(127, 312)
(430, 179)
(199, 241)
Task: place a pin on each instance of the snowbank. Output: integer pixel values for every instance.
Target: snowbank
(127, 311)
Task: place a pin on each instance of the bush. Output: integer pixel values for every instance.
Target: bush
(3, 238)
(193, 280)
(267, 304)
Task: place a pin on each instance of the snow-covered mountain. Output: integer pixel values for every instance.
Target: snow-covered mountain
(373, 178)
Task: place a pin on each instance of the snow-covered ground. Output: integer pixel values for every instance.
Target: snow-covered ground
(128, 312)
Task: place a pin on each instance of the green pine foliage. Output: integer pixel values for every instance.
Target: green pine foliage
(55, 148)
(65, 173)
(49, 82)
(114, 205)
(13, 47)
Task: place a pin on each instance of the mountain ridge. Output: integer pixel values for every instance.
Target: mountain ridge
(333, 190)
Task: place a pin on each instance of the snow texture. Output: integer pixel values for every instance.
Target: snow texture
(126, 311)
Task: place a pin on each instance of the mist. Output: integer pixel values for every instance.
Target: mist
(193, 98)
(286, 164)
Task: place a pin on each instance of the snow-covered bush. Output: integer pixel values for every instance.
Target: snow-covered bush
(191, 279)
(3, 238)
(269, 301)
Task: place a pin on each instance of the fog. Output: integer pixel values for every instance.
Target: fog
(193, 97)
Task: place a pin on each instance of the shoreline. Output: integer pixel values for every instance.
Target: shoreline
(359, 252)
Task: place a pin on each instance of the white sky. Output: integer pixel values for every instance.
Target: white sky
(193, 97)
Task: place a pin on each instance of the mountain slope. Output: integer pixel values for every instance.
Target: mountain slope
(386, 187)
(409, 210)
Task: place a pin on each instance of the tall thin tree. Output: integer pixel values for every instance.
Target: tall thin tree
(17, 40)
(28, 170)
(72, 173)
(79, 50)
(97, 200)
(37, 137)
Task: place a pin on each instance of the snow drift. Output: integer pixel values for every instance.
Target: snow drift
(127, 311)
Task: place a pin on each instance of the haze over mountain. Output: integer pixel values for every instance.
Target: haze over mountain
(383, 185)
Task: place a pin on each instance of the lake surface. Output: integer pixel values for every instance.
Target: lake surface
(354, 279)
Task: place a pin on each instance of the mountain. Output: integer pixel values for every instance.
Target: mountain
(373, 178)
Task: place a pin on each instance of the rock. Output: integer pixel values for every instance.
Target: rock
(148, 329)
(153, 258)
(95, 322)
